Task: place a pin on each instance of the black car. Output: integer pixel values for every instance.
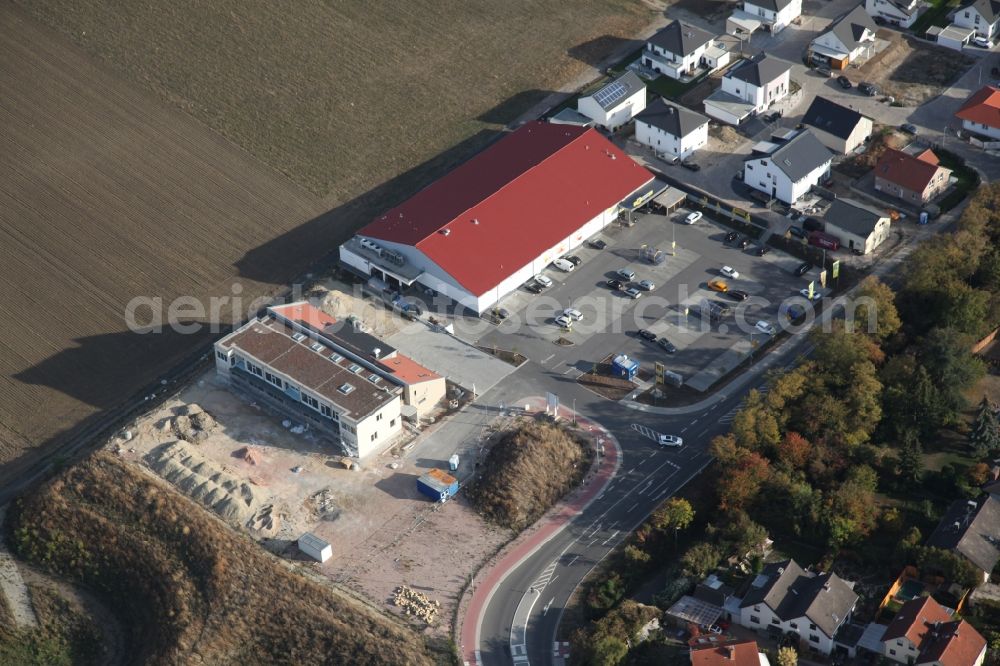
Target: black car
(667, 345)
(771, 117)
(762, 250)
(866, 88)
(798, 232)
(597, 244)
(501, 313)
(743, 243)
(737, 295)
(803, 269)
(731, 236)
(844, 82)
(908, 129)
(615, 284)
(575, 260)
(691, 166)
(647, 335)
(535, 288)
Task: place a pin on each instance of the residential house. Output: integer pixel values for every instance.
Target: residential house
(858, 227)
(616, 103)
(982, 16)
(787, 170)
(923, 632)
(846, 40)
(749, 88)
(902, 13)
(774, 15)
(981, 113)
(715, 651)
(971, 529)
(671, 130)
(915, 179)
(785, 599)
(841, 129)
(676, 50)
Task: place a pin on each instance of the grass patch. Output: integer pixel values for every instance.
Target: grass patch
(187, 588)
(65, 635)
(936, 14)
(528, 470)
(968, 179)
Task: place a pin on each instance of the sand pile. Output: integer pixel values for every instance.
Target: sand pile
(417, 604)
(203, 480)
(192, 423)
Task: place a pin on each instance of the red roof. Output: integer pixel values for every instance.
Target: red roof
(982, 107)
(408, 370)
(304, 313)
(733, 654)
(956, 644)
(504, 207)
(914, 620)
(910, 172)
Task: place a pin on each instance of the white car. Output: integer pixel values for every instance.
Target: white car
(670, 440)
(632, 292)
(564, 321)
(544, 281)
(805, 294)
(729, 272)
(565, 265)
(764, 327)
(692, 217)
(625, 274)
(573, 314)
(983, 42)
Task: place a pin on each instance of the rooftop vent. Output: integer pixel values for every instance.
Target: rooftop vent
(316, 347)
(336, 358)
(346, 389)
(376, 352)
(374, 379)
(355, 368)
(475, 221)
(445, 232)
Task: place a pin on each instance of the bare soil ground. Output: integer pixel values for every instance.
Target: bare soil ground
(914, 72)
(106, 195)
(384, 533)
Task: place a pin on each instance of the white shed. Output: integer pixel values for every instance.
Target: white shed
(314, 547)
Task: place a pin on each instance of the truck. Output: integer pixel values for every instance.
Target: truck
(824, 240)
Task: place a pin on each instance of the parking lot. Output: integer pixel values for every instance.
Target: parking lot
(706, 347)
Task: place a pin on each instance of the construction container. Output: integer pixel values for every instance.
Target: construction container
(453, 462)
(437, 484)
(314, 547)
(624, 367)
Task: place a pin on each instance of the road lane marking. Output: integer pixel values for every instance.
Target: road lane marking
(547, 358)
(633, 507)
(546, 608)
(575, 558)
(613, 535)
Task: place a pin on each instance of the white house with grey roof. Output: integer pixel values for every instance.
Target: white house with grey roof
(774, 15)
(785, 171)
(858, 227)
(983, 16)
(749, 88)
(616, 103)
(784, 598)
(847, 39)
(676, 50)
(841, 129)
(902, 13)
(671, 130)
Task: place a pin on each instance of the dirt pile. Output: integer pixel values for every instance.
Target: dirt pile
(203, 480)
(527, 471)
(192, 423)
(186, 588)
(416, 604)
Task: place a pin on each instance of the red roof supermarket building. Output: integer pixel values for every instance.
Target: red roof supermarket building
(492, 223)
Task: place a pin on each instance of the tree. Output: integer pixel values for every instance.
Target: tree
(978, 474)
(875, 309)
(743, 534)
(951, 366)
(608, 651)
(911, 458)
(787, 656)
(952, 567)
(794, 451)
(740, 482)
(700, 559)
(852, 513)
(675, 514)
(985, 434)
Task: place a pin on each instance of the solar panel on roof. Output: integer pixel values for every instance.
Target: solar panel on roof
(610, 93)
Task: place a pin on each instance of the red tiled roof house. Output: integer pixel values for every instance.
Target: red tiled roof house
(915, 179)
(981, 113)
(924, 633)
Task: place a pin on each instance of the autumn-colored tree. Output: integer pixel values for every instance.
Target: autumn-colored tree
(673, 515)
(978, 474)
(741, 481)
(875, 309)
(787, 656)
(794, 451)
(724, 449)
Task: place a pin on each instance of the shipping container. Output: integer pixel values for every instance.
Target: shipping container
(824, 240)
(314, 547)
(437, 484)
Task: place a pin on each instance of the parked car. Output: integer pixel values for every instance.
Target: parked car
(804, 292)
(646, 285)
(824, 240)
(535, 288)
(743, 243)
(670, 440)
(908, 128)
(573, 314)
(564, 321)
(691, 166)
(543, 280)
(667, 345)
(762, 250)
(731, 236)
(771, 117)
(632, 292)
(575, 260)
(500, 313)
(765, 327)
(564, 265)
(824, 70)
(738, 295)
(866, 88)
(646, 334)
(798, 232)
(617, 285)
(729, 272)
(597, 244)
(625, 274)
(982, 42)
(803, 268)
(718, 285)
(693, 217)
(844, 82)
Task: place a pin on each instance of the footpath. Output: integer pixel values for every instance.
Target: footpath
(477, 596)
